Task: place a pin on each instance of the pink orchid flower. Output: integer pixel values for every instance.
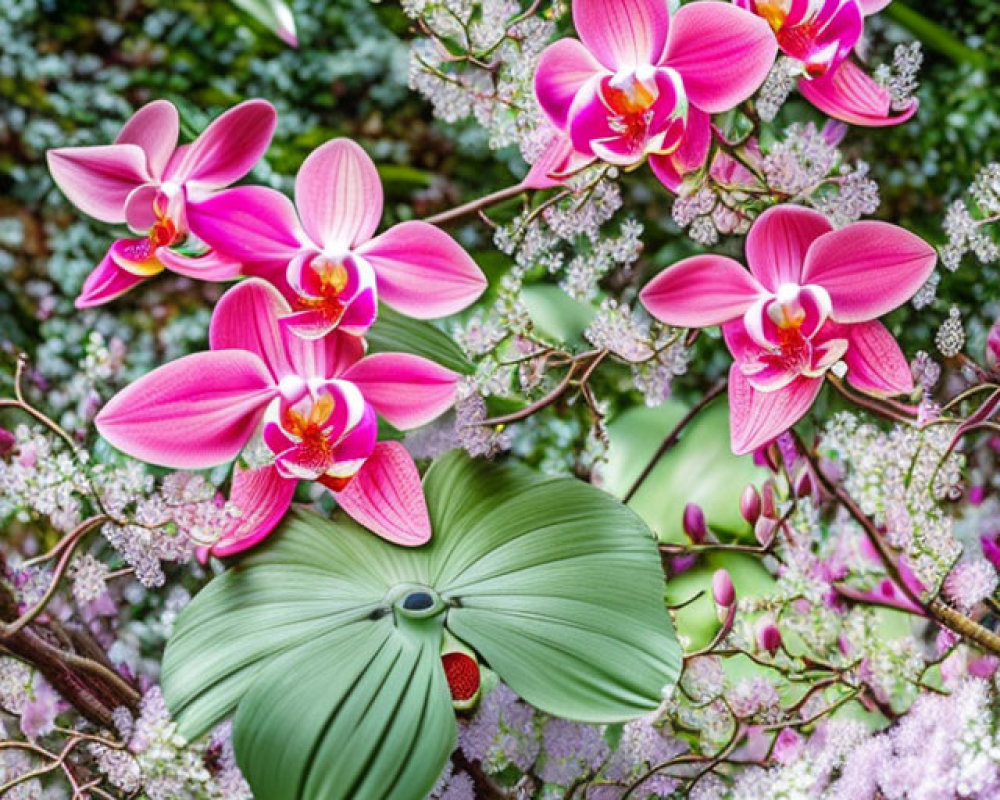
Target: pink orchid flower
(310, 406)
(146, 180)
(811, 299)
(321, 254)
(821, 34)
(642, 84)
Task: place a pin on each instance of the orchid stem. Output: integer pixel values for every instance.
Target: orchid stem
(936, 37)
(672, 437)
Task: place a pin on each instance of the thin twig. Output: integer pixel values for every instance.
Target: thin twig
(672, 437)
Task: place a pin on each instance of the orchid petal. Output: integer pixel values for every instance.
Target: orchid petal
(623, 33)
(869, 7)
(326, 358)
(106, 282)
(777, 243)
(138, 256)
(339, 195)
(155, 128)
(246, 318)
(847, 93)
(590, 124)
(689, 156)
(557, 160)
(140, 207)
(387, 498)
(211, 266)
(409, 391)
(875, 362)
(312, 324)
(868, 268)
(562, 70)
(701, 291)
(250, 224)
(755, 417)
(722, 52)
(422, 272)
(360, 314)
(262, 496)
(98, 180)
(228, 148)
(193, 413)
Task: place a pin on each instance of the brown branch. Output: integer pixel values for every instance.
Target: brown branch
(595, 357)
(944, 614)
(476, 205)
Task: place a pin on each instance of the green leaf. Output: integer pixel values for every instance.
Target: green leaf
(338, 688)
(700, 468)
(557, 315)
(394, 333)
(275, 15)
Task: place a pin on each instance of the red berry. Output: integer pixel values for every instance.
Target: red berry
(462, 673)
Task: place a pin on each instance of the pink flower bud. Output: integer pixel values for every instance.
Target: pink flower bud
(769, 500)
(803, 483)
(722, 589)
(993, 348)
(764, 531)
(7, 442)
(750, 504)
(788, 746)
(768, 636)
(694, 523)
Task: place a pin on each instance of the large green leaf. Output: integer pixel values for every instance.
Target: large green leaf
(701, 468)
(394, 333)
(338, 686)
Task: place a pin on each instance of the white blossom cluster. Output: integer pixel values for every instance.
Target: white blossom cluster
(968, 222)
(492, 79)
(900, 478)
(900, 77)
(803, 166)
(161, 763)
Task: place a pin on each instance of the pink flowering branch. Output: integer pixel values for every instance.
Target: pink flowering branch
(935, 608)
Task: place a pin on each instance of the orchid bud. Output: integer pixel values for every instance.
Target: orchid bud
(769, 500)
(764, 531)
(694, 523)
(7, 442)
(803, 483)
(993, 348)
(723, 592)
(768, 636)
(461, 669)
(750, 504)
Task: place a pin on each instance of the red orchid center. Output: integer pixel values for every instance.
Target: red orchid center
(324, 283)
(315, 446)
(787, 328)
(631, 100)
(627, 95)
(163, 233)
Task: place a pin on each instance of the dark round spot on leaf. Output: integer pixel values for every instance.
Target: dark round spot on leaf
(418, 601)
